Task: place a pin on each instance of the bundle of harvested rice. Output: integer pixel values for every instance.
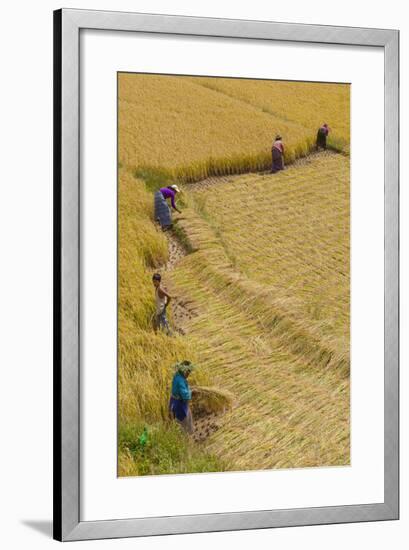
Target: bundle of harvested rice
(207, 400)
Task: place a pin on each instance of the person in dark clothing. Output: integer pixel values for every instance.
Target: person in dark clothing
(277, 153)
(322, 135)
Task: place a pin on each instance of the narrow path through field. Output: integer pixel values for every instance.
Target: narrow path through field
(182, 310)
(205, 423)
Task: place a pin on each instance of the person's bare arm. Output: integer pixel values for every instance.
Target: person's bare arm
(162, 293)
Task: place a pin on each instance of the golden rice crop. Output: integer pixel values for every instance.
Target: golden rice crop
(268, 278)
(145, 359)
(141, 247)
(192, 127)
(171, 123)
(309, 104)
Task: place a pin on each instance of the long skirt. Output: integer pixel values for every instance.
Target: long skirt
(277, 157)
(162, 210)
(182, 414)
(321, 140)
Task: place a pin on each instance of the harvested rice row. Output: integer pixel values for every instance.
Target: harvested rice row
(292, 406)
(275, 391)
(297, 224)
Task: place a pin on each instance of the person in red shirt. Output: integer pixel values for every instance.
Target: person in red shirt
(277, 153)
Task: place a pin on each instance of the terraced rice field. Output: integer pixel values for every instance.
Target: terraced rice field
(258, 265)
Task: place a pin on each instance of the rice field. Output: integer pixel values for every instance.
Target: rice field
(185, 128)
(308, 104)
(260, 277)
(290, 233)
(145, 359)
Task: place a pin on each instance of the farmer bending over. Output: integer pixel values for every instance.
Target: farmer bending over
(170, 193)
(162, 300)
(179, 404)
(162, 209)
(322, 135)
(277, 153)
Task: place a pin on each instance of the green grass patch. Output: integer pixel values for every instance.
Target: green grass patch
(167, 451)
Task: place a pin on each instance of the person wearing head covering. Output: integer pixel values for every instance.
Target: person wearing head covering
(181, 396)
(322, 135)
(162, 210)
(162, 299)
(277, 153)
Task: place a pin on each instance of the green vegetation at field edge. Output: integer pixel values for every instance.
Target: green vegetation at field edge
(167, 451)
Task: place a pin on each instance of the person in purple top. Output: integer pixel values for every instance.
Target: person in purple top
(170, 193)
(322, 135)
(161, 207)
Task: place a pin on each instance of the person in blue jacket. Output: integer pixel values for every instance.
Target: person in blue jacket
(181, 396)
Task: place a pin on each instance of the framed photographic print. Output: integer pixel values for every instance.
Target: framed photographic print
(226, 274)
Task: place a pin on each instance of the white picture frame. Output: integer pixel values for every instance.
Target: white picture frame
(67, 487)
